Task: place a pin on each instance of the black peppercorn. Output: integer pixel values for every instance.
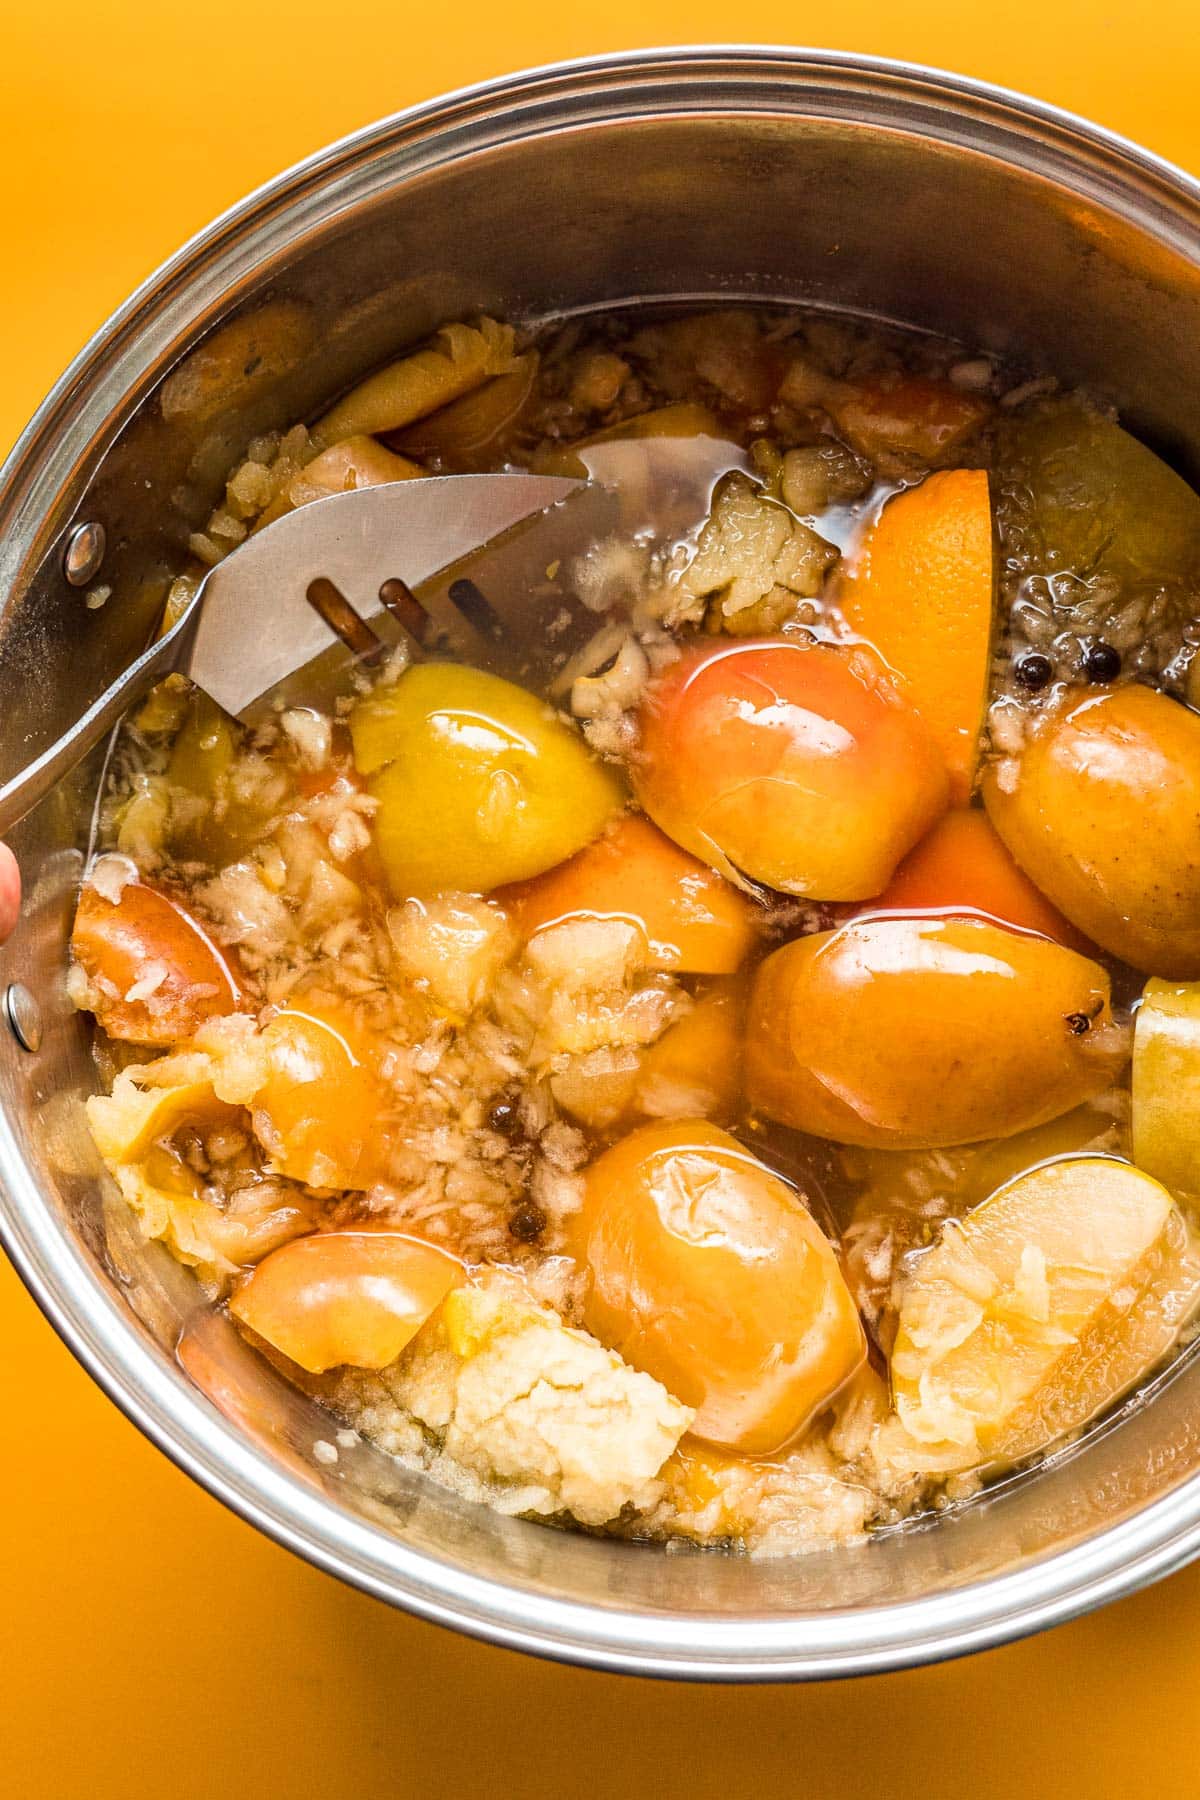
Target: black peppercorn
(1034, 671)
(527, 1222)
(504, 1115)
(1102, 663)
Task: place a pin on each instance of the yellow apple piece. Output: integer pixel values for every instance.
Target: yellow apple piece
(1040, 1308)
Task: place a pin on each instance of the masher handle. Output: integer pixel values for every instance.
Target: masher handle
(20, 795)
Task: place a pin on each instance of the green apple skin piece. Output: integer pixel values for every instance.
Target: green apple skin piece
(1078, 494)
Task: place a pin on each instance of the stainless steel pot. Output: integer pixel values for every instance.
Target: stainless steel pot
(702, 173)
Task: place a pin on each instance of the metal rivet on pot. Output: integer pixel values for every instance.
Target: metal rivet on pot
(24, 1015)
(84, 553)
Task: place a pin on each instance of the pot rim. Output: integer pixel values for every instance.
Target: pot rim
(100, 1332)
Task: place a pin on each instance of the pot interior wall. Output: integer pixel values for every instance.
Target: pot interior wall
(787, 199)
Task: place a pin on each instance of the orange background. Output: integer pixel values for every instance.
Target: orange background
(149, 1641)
